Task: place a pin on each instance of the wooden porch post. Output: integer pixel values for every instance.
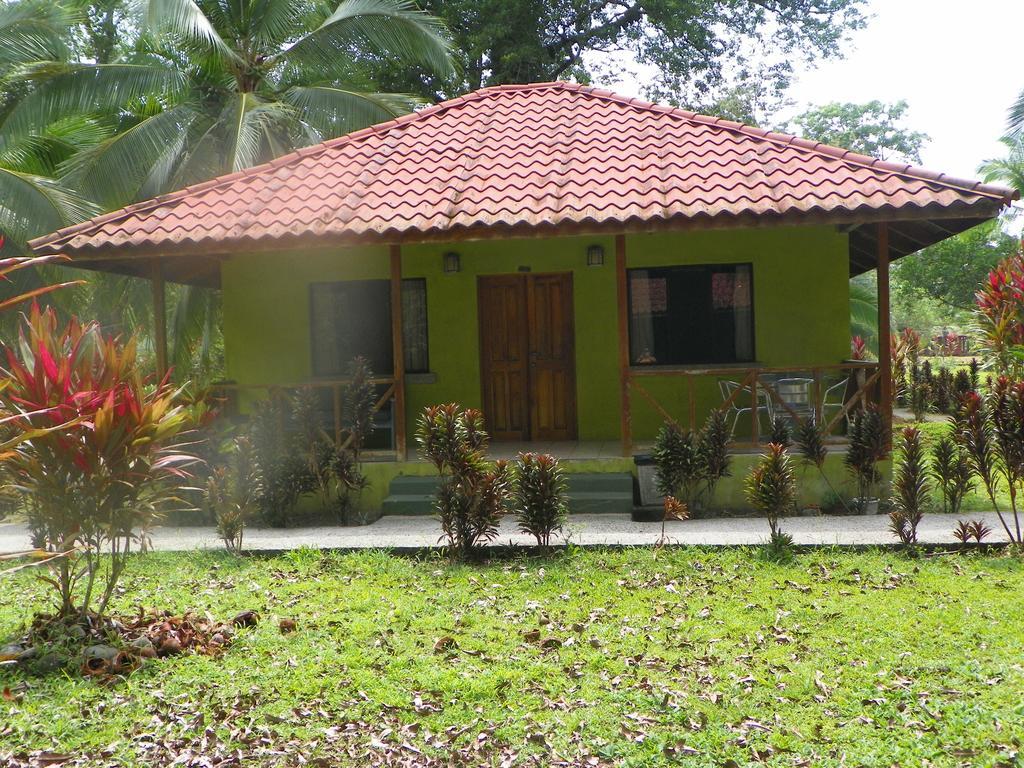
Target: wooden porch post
(159, 317)
(626, 425)
(884, 332)
(398, 352)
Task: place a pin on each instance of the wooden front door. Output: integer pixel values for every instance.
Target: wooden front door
(527, 356)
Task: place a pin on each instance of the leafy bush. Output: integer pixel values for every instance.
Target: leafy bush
(539, 498)
(905, 353)
(952, 473)
(233, 492)
(771, 487)
(910, 487)
(281, 457)
(944, 395)
(867, 447)
(991, 435)
(919, 393)
(971, 529)
(689, 466)
(473, 493)
(781, 432)
(810, 442)
(1000, 317)
(98, 459)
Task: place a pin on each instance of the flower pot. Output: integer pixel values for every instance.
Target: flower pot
(865, 506)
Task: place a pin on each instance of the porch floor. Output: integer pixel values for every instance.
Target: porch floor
(585, 450)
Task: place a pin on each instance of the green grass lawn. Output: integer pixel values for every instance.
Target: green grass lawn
(620, 657)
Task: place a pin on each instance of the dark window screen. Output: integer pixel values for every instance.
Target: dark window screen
(692, 314)
(353, 318)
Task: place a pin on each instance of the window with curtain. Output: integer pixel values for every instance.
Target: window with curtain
(691, 315)
(353, 318)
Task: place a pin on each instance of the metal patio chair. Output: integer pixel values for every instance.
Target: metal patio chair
(736, 409)
(796, 393)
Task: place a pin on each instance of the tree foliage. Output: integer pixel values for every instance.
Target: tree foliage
(873, 128)
(696, 46)
(951, 270)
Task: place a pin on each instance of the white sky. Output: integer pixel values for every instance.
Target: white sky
(957, 64)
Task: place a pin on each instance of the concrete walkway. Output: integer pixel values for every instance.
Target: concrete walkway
(408, 533)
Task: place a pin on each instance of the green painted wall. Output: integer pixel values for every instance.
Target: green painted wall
(801, 306)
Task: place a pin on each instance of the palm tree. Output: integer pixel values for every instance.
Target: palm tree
(212, 86)
(217, 86)
(1015, 127)
(31, 200)
(1009, 169)
(864, 313)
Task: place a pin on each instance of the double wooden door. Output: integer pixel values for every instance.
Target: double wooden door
(527, 356)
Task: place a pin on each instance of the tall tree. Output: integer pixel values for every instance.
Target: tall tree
(693, 45)
(950, 271)
(874, 129)
(1015, 126)
(31, 200)
(220, 86)
(106, 104)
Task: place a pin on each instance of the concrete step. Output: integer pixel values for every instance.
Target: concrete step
(588, 492)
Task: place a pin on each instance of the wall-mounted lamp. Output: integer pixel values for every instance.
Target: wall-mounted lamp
(452, 263)
(595, 255)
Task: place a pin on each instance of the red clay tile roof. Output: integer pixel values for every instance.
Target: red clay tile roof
(513, 158)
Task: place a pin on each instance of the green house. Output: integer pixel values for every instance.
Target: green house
(579, 265)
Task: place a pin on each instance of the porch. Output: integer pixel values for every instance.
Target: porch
(752, 398)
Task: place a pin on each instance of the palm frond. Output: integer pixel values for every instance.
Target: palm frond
(34, 205)
(248, 124)
(185, 20)
(70, 89)
(1015, 128)
(276, 21)
(33, 30)
(191, 328)
(42, 153)
(395, 28)
(1009, 169)
(335, 111)
(864, 313)
(114, 172)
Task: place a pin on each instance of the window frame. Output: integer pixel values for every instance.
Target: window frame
(317, 375)
(712, 266)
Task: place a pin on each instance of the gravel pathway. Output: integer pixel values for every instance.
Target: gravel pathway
(407, 533)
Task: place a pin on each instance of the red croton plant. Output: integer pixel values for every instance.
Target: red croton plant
(1000, 315)
(99, 462)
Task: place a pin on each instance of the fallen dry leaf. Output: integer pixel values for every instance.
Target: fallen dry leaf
(446, 643)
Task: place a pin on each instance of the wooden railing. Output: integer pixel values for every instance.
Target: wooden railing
(760, 384)
(230, 392)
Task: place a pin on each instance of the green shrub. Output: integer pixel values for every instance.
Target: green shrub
(952, 473)
(539, 498)
(281, 457)
(689, 465)
(991, 436)
(810, 442)
(474, 493)
(910, 487)
(233, 492)
(867, 447)
(771, 487)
